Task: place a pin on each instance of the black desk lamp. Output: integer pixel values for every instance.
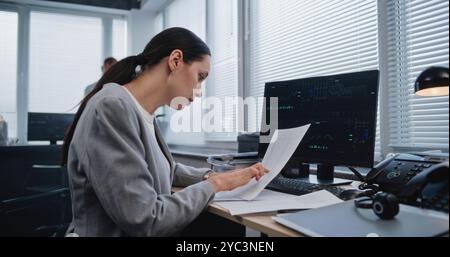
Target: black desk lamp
(433, 81)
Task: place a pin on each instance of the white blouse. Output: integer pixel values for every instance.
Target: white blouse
(162, 163)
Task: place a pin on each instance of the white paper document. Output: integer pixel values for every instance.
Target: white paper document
(283, 144)
(274, 201)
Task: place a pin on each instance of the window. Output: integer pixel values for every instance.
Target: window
(418, 38)
(223, 41)
(189, 14)
(8, 71)
(222, 38)
(119, 42)
(291, 39)
(65, 57)
(65, 50)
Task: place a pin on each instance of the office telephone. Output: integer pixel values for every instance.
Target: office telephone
(416, 179)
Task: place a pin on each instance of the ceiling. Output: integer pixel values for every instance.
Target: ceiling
(154, 5)
(115, 4)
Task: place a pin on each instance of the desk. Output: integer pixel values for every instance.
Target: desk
(33, 190)
(260, 222)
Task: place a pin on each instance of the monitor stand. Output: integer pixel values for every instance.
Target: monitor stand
(325, 176)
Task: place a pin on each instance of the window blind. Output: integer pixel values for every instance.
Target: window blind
(189, 14)
(291, 39)
(418, 38)
(223, 78)
(65, 57)
(8, 72)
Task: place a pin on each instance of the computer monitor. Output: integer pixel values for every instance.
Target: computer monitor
(48, 126)
(342, 111)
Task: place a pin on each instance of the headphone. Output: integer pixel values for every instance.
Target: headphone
(384, 205)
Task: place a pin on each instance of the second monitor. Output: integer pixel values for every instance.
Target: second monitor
(342, 111)
(48, 126)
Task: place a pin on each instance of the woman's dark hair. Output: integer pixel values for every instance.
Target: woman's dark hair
(123, 72)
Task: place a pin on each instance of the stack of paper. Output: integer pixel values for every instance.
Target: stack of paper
(269, 201)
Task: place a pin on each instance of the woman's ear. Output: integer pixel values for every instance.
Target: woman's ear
(175, 59)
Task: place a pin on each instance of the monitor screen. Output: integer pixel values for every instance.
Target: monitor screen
(342, 111)
(48, 126)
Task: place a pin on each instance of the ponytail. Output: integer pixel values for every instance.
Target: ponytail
(123, 72)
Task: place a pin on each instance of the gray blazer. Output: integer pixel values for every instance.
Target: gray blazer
(115, 188)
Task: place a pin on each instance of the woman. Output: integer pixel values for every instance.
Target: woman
(120, 169)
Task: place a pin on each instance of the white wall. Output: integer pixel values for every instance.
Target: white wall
(141, 28)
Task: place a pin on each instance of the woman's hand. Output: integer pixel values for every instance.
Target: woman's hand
(230, 180)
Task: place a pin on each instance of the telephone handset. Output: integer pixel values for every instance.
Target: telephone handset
(415, 179)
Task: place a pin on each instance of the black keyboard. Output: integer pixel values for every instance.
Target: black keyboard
(300, 187)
